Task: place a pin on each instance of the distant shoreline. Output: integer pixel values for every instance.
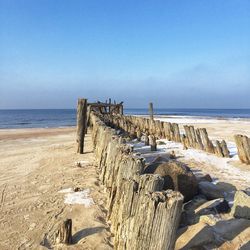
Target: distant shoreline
(56, 118)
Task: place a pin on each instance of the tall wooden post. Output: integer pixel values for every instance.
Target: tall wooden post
(109, 106)
(81, 123)
(151, 111)
(121, 108)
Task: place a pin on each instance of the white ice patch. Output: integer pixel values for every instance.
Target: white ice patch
(66, 190)
(200, 119)
(232, 149)
(81, 197)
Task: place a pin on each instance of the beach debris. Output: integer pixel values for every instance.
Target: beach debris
(77, 189)
(233, 231)
(206, 177)
(223, 207)
(177, 176)
(241, 206)
(189, 234)
(64, 233)
(209, 219)
(210, 190)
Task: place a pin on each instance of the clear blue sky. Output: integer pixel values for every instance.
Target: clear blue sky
(185, 53)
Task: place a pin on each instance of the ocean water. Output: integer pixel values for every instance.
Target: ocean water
(43, 118)
(37, 118)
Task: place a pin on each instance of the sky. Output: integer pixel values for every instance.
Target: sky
(176, 54)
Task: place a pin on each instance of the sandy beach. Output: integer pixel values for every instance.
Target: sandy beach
(36, 164)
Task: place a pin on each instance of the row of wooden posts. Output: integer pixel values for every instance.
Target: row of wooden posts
(142, 215)
(155, 129)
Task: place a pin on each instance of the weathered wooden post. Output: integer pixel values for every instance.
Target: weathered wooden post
(81, 123)
(152, 143)
(151, 111)
(64, 233)
(109, 110)
(146, 141)
(121, 108)
(243, 147)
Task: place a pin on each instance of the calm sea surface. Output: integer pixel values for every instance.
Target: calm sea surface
(42, 118)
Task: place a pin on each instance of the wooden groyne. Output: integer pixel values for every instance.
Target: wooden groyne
(193, 138)
(137, 126)
(142, 215)
(196, 138)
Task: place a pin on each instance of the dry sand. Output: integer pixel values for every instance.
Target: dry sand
(35, 164)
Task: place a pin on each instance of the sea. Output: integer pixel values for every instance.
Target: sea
(49, 118)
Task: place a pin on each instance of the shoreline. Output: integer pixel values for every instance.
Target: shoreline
(26, 133)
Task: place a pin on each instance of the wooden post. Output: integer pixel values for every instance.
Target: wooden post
(121, 108)
(152, 143)
(109, 110)
(151, 111)
(81, 123)
(243, 147)
(146, 139)
(64, 233)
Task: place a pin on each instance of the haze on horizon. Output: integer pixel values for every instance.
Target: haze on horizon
(178, 54)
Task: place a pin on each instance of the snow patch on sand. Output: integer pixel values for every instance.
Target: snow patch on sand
(200, 119)
(81, 197)
(221, 165)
